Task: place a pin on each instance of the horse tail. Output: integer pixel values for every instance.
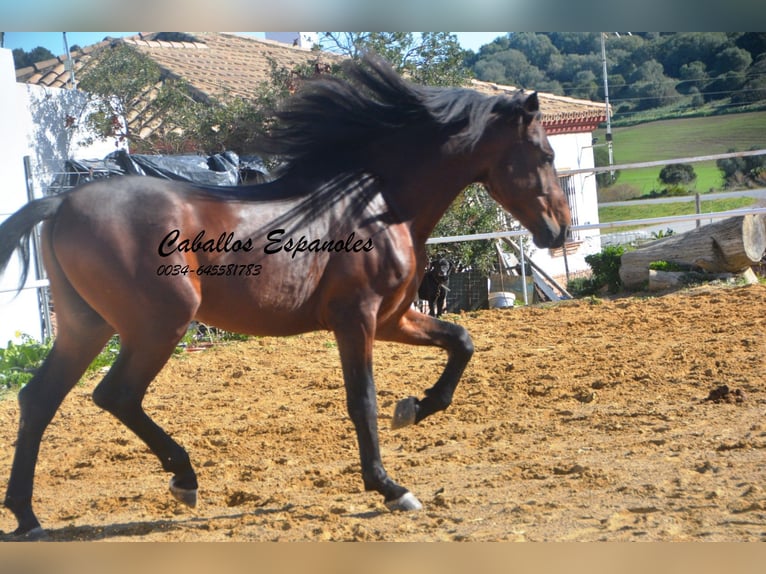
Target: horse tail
(17, 229)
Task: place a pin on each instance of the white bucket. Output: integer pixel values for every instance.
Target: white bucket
(501, 300)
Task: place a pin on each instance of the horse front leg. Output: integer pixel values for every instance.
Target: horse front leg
(355, 346)
(418, 329)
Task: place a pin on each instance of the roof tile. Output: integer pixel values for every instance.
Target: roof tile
(222, 64)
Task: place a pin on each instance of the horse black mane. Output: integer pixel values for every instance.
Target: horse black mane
(332, 117)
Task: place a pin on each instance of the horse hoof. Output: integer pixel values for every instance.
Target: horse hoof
(404, 413)
(185, 495)
(35, 535)
(406, 501)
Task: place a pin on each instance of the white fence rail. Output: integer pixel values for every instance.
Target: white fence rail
(662, 162)
(610, 225)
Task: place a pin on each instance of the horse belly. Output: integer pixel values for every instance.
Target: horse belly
(279, 299)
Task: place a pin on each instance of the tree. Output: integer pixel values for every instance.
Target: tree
(675, 50)
(233, 123)
(537, 48)
(116, 80)
(693, 75)
(175, 120)
(585, 85)
(601, 159)
(473, 211)
(646, 70)
(576, 42)
(732, 60)
(430, 58)
(22, 59)
(754, 88)
(651, 88)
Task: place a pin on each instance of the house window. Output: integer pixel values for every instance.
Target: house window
(567, 184)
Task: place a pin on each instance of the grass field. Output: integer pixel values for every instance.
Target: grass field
(681, 138)
(649, 211)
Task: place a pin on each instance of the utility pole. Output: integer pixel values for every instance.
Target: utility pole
(69, 64)
(606, 102)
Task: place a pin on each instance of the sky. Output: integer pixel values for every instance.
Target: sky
(54, 41)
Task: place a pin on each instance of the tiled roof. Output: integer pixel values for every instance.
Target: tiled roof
(217, 64)
(561, 114)
(213, 63)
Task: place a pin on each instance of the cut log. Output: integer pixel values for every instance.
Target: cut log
(727, 246)
(662, 280)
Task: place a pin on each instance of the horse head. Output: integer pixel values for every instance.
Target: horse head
(521, 176)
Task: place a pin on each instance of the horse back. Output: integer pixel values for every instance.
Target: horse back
(265, 267)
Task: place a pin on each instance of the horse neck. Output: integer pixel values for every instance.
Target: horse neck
(427, 187)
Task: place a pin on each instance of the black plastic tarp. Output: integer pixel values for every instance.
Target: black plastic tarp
(219, 169)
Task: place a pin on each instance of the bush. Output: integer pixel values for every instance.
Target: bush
(606, 266)
(18, 362)
(676, 174)
(601, 159)
(606, 272)
(743, 171)
(675, 191)
(582, 286)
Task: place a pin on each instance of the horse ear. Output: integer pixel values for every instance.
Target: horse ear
(532, 104)
(530, 108)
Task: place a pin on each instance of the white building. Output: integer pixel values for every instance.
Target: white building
(39, 128)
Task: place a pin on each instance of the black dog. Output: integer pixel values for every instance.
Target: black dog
(434, 288)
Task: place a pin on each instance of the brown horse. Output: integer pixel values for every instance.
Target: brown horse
(336, 242)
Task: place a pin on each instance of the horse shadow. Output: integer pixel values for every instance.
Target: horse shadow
(92, 533)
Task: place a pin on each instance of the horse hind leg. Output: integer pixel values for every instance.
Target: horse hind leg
(122, 391)
(77, 344)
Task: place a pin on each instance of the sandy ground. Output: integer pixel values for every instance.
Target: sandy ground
(585, 420)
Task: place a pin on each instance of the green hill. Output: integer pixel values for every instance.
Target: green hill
(676, 139)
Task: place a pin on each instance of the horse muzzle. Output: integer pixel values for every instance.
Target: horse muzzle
(550, 234)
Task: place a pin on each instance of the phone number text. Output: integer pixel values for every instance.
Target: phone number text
(231, 270)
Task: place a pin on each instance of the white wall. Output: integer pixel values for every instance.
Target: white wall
(19, 315)
(33, 123)
(574, 151)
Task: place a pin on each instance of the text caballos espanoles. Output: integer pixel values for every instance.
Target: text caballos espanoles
(275, 242)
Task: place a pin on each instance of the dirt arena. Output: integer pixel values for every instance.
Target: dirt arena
(631, 419)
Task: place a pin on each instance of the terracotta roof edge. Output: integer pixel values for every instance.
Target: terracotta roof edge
(568, 99)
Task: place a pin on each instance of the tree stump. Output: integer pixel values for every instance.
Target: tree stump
(727, 246)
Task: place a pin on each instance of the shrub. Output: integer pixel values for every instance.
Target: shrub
(18, 361)
(606, 273)
(606, 267)
(677, 174)
(743, 171)
(582, 286)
